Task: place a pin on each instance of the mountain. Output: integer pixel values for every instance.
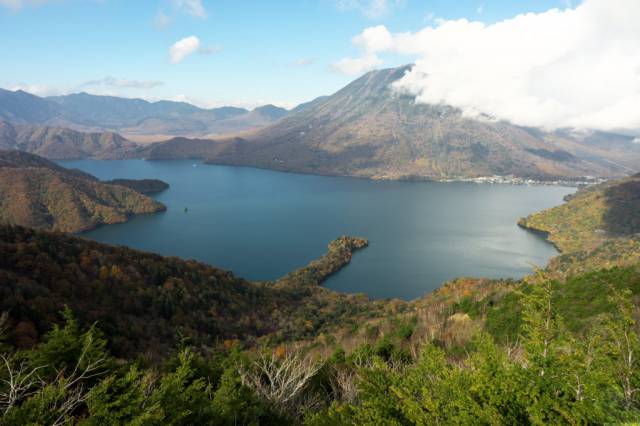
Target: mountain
(37, 193)
(93, 113)
(137, 116)
(271, 112)
(23, 107)
(58, 143)
(369, 130)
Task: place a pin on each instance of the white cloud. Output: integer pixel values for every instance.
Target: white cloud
(357, 66)
(124, 83)
(188, 45)
(183, 48)
(192, 7)
(370, 8)
(636, 141)
(573, 68)
(374, 39)
(371, 40)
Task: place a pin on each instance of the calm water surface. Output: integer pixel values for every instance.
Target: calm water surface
(262, 224)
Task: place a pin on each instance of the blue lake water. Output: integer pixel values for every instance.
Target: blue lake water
(262, 224)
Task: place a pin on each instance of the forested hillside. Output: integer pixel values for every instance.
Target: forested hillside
(148, 303)
(37, 193)
(599, 226)
(143, 186)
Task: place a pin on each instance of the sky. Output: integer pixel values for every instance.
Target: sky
(211, 52)
(541, 63)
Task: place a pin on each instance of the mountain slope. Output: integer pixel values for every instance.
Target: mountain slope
(37, 193)
(367, 129)
(64, 144)
(23, 107)
(92, 113)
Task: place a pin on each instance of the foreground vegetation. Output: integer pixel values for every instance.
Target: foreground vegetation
(552, 373)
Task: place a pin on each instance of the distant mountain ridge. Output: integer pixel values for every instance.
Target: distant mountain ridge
(86, 112)
(365, 129)
(37, 193)
(369, 130)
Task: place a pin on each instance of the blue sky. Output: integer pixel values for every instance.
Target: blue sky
(251, 52)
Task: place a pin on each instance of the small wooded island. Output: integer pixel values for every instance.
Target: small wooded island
(143, 186)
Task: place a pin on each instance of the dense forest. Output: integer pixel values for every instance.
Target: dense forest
(539, 360)
(96, 334)
(149, 303)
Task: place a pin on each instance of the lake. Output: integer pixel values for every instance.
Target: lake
(262, 224)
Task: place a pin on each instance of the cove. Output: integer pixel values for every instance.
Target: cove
(262, 224)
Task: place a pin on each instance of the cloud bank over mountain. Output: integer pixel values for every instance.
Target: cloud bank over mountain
(573, 68)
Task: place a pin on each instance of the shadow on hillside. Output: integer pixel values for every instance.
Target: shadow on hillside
(622, 215)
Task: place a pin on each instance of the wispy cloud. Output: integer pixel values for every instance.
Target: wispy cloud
(208, 50)
(370, 8)
(302, 62)
(123, 83)
(191, 7)
(37, 89)
(571, 68)
(357, 66)
(161, 21)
